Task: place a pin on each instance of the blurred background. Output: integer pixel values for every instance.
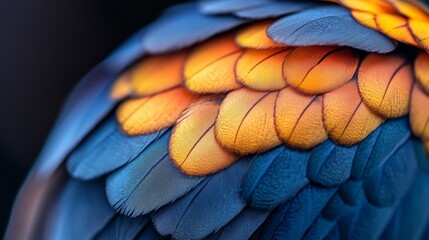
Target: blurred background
(46, 46)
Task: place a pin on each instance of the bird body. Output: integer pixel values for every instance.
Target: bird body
(240, 119)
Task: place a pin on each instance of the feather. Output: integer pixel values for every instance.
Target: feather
(274, 177)
(384, 186)
(419, 119)
(123, 227)
(346, 119)
(254, 36)
(419, 30)
(412, 215)
(327, 219)
(274, 9)
(242, 226)
(105, 150)
(330, 165)
(385, 83)
(309, 69)
(421, 70)
(255, 65)
(149, 182)
(81, 211)
(292, 218)
(299, 119)
(245, 123)
(210, 66)
(88, 103)
(149, 233)
(379, 146)
(228, 6)
(330, 25)
(206, 209)
(193, 147)
(149, 114)
(382, 192)
(189, 26)
(156, 74)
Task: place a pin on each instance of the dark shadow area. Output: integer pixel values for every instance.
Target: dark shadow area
(46, 46)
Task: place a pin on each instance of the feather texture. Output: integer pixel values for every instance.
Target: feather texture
(142, 186)
(189, 26)
(105, 150)
(123, 227)
(330, 165)
(275, 177)
(274, 9)
(292, 218)
(214, 202)
(81, 211)
(329, 25)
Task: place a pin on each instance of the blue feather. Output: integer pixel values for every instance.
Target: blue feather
(329, 164)
(149, 182)
(320, 228)
(330, 25)
(293, 218)
(182, 26)
(380, 196)
(243, 226)
(412, 216)
(379, 146)
(275, 9)
(388, 182)
(87, 105)
(105, 150)
(207, 208)
(274, 177)
(123, 227)
(228, 6)
(81, 212)
(149, 233)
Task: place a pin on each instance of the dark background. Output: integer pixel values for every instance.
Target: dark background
(46, 46)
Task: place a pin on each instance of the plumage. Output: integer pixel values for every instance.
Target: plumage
(294, 217)
(193, 139)
(346, 119)
(141, 187)
(144, 115)
(123, 227)
(243, 225)
(227, 6)
(330, 25)
(189, 26)
(212, 210)
(254, 65)
(274, 9)
(388, 92)
(106, 150)
(311, 121)
(241, 111)
(379, 146)
(210, 66)
(254, 36)
(275, 177)
(330, 165)
(309, 69)
(79, 202)
(299, 119)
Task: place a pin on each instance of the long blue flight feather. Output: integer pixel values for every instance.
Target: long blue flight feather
(105, 150)
(149, 182)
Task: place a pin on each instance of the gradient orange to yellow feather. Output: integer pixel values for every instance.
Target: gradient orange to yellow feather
(241, 93)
